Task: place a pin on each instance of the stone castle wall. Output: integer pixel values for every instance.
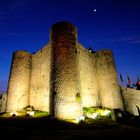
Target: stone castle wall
(109, 89)
(63, 77)
(131, 99)
(40, 79)
(19, 81)
(88, 77)
(98, 78)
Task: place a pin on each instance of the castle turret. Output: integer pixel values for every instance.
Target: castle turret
(19, 81)
(109, 89)
(65, 74)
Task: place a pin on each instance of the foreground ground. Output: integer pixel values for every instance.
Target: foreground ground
(44, 128)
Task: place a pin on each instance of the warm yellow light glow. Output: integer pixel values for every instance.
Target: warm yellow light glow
(105, 112)
(88, 101)
(96, 113)
(68, 111)
(13, 113)
(93, 116)
(80, 119)
(31, 113)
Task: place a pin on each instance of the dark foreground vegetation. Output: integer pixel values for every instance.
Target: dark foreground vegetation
(46, 128)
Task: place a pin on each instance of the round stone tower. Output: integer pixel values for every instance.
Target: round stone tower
(65, 103)
(109, 89)
(19, 81)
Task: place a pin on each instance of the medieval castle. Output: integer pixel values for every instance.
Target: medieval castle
(63, 77)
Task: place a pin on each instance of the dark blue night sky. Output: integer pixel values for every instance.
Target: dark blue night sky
(115, 25)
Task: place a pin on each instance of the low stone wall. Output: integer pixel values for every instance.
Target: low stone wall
(131, 100)
(3, 100)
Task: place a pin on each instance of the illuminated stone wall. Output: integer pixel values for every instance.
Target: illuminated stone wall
(131, 99)
(88, 77)
(3, 101)
(40, 79)
(109, 89)
(19, 81)
(63, 77)
(65, 72)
